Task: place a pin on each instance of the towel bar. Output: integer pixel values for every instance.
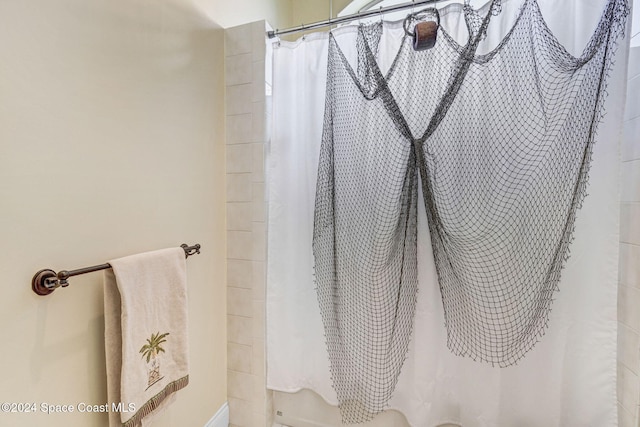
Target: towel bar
(46, 281)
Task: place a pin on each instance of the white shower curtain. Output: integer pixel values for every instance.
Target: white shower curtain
(568, 379)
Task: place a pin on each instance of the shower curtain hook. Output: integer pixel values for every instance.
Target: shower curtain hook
(381, 14)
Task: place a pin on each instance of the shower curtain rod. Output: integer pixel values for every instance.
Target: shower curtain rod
(332, 21)
(46, 281)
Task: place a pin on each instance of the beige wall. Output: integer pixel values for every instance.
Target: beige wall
(111, 143)
(309, 11)
(231, 13)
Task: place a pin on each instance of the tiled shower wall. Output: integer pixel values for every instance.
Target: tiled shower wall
(250, 404)
(629, 287)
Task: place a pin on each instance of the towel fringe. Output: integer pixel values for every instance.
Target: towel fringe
(153, 403)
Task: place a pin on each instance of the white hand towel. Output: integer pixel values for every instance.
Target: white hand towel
(145, 298)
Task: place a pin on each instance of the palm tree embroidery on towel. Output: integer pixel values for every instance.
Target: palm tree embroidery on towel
(151, 350)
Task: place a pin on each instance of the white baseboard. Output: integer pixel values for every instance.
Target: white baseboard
(221, 418)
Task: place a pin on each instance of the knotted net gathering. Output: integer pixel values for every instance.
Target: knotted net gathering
(500, 144)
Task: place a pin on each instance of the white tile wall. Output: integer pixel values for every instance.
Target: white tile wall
(239, 273)
(634, 55)
(238, 99)
(239, 330)
(237, 129)
(238, 187)
(239, 412)
(259, 278)
(239, 245)
(629, 287)
(239, 357)
(629, 260)
(632, 109)
(630, 175)
(239, 216)
(238, 40)
(238, 69)
(250, 404)
(630, 148)
(239, 302)
(628, 387)
(240, 385)
(240, 158)
(629, 343)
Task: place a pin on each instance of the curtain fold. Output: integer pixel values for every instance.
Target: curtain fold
(568, 379)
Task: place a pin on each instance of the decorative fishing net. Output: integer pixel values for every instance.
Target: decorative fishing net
(501, 143)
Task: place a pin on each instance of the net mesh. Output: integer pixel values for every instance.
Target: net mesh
(501, 144)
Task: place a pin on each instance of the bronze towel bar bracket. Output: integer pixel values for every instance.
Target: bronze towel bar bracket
(46, 281)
